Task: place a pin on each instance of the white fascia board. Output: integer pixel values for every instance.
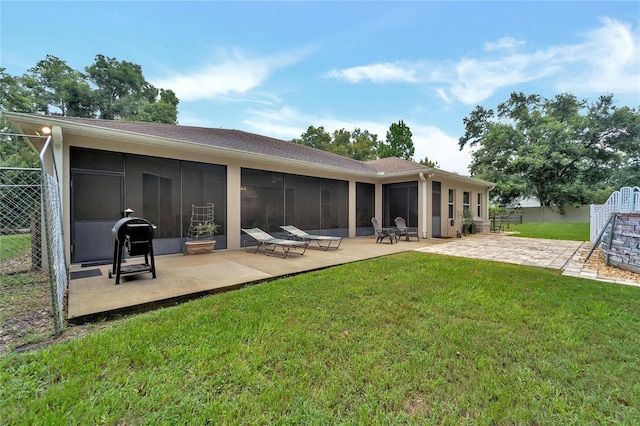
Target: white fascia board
(436, 173)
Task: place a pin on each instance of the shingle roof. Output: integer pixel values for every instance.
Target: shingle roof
(395, 165)
(233, 139)
(241, 141)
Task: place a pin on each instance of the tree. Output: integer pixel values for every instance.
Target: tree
(55, 84)
(15, 96)
(165, 110)
(121, 88)
(628, 172)
(341, 143)
(359, 145)
(429, 163)
(398, 143)
(110, 89)
(315, 138)
(364, 145)
(560, 150)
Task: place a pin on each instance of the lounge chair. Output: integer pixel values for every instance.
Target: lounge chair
(324, 241)
(382, 233)
(403, 229)
(270, 243)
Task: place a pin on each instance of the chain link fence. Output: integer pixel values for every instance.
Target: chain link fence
(20, 220)
(31, 232)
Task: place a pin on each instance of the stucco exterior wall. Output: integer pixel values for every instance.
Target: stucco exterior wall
(92, 134)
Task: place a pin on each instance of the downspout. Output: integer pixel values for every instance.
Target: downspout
(424, 205)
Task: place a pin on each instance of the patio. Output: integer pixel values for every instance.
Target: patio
(92, 292)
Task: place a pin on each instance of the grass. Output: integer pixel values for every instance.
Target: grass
(24, 299)
(412, 338)
(571, 231)
(13, 245)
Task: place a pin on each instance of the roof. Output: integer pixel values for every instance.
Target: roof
(396, 165)
(234, 140)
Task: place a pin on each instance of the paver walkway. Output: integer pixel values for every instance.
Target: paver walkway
(499, 247)
(567, 256)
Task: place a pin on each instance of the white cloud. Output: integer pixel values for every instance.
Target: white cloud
(607, 60)
(231, 73)
(504, 43)
(432, 142)
(283, 123)
(378, 73)
(477, 80)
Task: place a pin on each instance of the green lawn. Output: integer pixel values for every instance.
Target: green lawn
(13, 245)
(412, 338)
(572, 231)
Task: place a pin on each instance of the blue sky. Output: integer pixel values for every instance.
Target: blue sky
(275, 68)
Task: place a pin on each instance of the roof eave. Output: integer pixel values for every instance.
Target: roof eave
(89, 130)
(434, 173)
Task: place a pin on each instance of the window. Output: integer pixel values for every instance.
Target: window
(451, 203)
(479, 205)
(466, 204)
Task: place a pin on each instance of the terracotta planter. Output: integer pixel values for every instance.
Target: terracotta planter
(200, 247)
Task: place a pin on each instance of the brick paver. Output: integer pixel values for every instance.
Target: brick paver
(567, 256)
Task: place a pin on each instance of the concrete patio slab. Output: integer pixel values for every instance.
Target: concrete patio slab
(182, 275)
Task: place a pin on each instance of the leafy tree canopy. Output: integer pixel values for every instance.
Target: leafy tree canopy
(429, 163)
(563, 150)
(359, 145)
(108, 89)
(398, 143)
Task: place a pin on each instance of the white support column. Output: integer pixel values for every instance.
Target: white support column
(234, 196)
(424, 205)
(352, 209)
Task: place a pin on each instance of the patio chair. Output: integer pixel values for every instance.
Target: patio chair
(270, 243)
(403, 229)
(382, 233)
(324, 241)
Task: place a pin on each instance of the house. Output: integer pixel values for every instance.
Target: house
(160, 170)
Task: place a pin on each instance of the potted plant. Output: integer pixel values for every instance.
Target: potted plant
(200, 238)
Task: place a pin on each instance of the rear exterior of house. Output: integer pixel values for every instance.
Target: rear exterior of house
(160, 170)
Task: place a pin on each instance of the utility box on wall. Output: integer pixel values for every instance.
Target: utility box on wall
(480, 225)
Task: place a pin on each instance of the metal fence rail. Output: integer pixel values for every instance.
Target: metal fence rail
(52, 208)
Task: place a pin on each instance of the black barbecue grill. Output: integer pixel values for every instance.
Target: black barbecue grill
(136, 235)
